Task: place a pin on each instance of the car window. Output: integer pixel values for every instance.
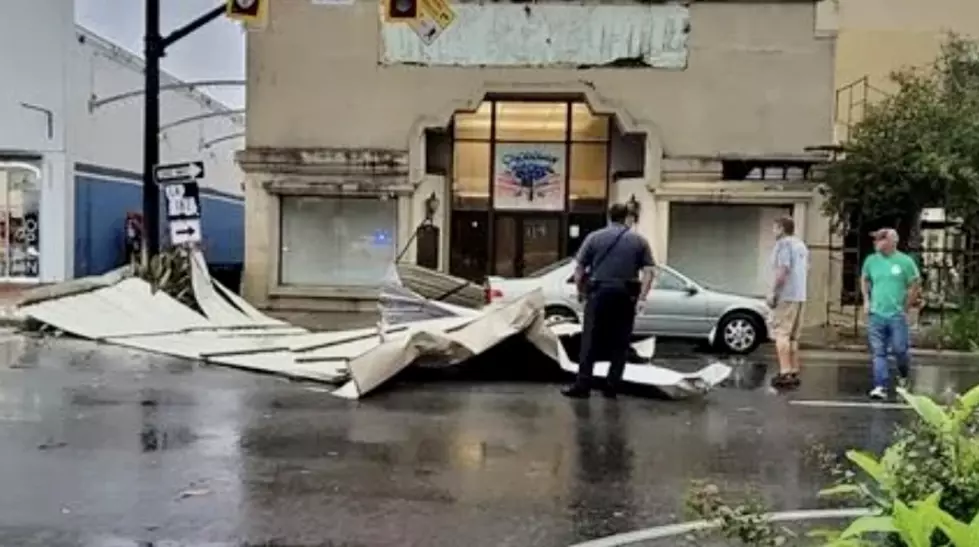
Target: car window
(669, 281)
(550, 268)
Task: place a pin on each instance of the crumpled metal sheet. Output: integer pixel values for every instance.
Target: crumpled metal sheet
(232, 333)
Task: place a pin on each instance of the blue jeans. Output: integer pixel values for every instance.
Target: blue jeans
(889, 333)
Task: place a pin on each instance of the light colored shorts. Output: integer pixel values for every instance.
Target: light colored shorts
(787, 320)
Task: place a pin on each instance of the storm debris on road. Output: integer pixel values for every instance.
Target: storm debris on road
(123, 310)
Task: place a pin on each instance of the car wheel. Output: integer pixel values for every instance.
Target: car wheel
(739, 333)
(553, 313)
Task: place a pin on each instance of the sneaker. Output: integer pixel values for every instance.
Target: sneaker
(794, 379)
(783, 381)
(878, 394)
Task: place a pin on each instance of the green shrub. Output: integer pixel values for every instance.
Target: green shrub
(925, 485)
(960, 331)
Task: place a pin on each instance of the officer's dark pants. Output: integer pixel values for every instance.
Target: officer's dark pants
(609, 316)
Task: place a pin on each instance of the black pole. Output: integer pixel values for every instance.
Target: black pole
(155, 48)
(151, 130)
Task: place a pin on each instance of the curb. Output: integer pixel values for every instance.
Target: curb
(860, 354)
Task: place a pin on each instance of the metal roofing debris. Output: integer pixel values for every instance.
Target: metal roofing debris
(126, 311)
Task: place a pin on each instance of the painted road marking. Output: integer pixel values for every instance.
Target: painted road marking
(852, 404)
(672, 530)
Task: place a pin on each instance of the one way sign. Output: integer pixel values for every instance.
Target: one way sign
(183, 200)
(179, 172)
(185, 231)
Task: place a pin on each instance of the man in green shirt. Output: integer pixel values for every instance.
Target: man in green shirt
(891, 285)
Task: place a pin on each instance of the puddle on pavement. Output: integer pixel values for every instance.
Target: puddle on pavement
(97, 395)
(155, 439)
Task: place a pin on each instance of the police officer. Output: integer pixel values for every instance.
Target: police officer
(609, 264)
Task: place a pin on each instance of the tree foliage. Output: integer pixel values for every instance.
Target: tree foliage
(916, 148)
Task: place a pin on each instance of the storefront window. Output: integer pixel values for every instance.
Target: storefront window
(528, 121)
(588, 182)
(337, 241)
(471, 175)
(537, 172)
(587, 127)
(474, 125)
(20, 207)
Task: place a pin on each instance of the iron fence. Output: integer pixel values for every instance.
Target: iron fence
(949, 268)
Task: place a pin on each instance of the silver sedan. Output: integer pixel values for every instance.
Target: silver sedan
(677, 307)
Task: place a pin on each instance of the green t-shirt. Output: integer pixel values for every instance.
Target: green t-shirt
(889, 277)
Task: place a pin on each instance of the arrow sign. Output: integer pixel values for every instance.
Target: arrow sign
(179, 172)
(185, 231)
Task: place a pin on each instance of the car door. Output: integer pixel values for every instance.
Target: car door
(674, 307)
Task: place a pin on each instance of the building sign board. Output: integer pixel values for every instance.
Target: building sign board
(435, 17)
(540, 35)
(529, 176)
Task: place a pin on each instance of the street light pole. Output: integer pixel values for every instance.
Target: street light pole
(155, 48)
(151, 124)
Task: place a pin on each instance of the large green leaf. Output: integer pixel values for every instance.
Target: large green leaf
(880, 524)
(868, 464)
(968, 405)
(928, 410)
(916, 525)
(958, 532)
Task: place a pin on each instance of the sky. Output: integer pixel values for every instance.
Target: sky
(213, 52)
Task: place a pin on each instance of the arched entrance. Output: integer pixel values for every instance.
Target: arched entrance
(529, 179)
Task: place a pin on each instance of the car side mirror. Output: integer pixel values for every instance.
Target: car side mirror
(570, 280)
(691, 290)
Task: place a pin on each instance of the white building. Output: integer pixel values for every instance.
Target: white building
(70, 167)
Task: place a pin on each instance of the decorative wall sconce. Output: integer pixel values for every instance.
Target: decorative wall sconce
(431, 207)
(633, 206)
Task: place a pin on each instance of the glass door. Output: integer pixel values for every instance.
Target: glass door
(524, 243)
(19, 221)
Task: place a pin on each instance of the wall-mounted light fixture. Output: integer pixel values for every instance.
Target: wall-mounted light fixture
(431, 207)
(633, 206)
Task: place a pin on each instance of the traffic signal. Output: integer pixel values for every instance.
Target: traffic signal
(401, 10)
(247, 11)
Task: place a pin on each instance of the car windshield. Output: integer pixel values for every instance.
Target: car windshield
(550, 268)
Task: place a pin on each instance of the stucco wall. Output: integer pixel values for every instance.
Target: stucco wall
(879, 36)
(758, 82)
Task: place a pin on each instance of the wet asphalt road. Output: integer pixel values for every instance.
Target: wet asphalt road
(101, 447)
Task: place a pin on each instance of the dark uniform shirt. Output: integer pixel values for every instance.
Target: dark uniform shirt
(619, 265)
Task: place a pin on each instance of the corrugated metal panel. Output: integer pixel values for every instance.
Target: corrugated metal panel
(129, 314)
(553, 35)
(127, 308)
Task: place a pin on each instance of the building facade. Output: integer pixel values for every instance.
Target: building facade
(517, 125)
(70, 165)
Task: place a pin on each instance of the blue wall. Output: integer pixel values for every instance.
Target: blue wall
(103, 196)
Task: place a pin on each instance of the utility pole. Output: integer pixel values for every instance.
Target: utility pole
(155, 49)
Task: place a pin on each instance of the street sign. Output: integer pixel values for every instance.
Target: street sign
(185, 231)
(179, 172)
(183, 200)
(433, 18)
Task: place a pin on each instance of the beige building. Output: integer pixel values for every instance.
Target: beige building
(877, 37)
(517, 125)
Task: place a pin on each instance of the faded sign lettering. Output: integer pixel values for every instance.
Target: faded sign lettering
(547, 35)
